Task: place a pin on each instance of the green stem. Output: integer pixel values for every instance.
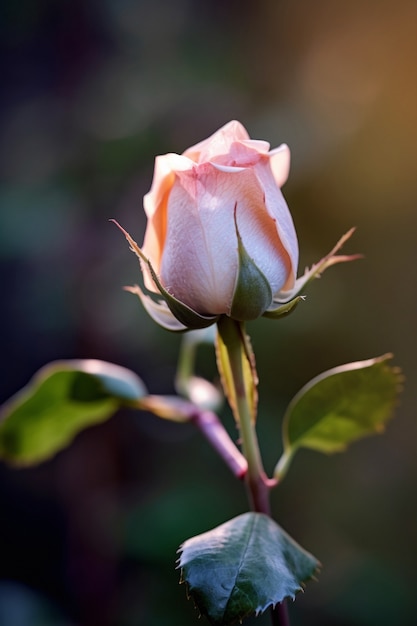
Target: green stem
(240, 395)
(240, 391)
(283, 464)
(256, 482)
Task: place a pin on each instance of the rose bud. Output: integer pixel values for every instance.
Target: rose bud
(220, 239)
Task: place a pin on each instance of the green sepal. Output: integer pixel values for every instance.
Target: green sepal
(317, 270)
(186, 316)
(243, 567)
(340, 406)
(158, 311)
(284, 309)
(62, 399)
(252, 293)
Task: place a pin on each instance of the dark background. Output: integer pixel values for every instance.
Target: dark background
(91, 92)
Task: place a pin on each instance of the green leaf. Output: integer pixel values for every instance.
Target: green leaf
(62, 399)
(243, 567)
(340, 406)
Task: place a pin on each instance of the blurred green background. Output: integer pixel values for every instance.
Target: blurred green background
(92, 91)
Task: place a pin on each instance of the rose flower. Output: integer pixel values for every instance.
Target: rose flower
(220, 239)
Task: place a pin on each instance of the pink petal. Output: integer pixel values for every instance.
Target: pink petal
(279, 160)
(200, 259)
(256, 144)
(218, 143)
(259, 233)
(155, 204)
(277, 208)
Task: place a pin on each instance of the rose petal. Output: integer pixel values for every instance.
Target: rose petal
(227, 168)
(155, 204)
(217, 144)
(201, 265)
(256, 144)
(259, 232)
(277, 208)
(279, 160)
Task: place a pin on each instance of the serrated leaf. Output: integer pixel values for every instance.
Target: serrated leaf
(243, 567)
(340, 406)
(62, 399)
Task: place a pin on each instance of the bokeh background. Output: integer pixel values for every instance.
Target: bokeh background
(92, 90)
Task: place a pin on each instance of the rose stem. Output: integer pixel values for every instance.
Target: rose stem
(279, 614)
(257, 483)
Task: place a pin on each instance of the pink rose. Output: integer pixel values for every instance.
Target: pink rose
(220, 193)
(220, 239)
